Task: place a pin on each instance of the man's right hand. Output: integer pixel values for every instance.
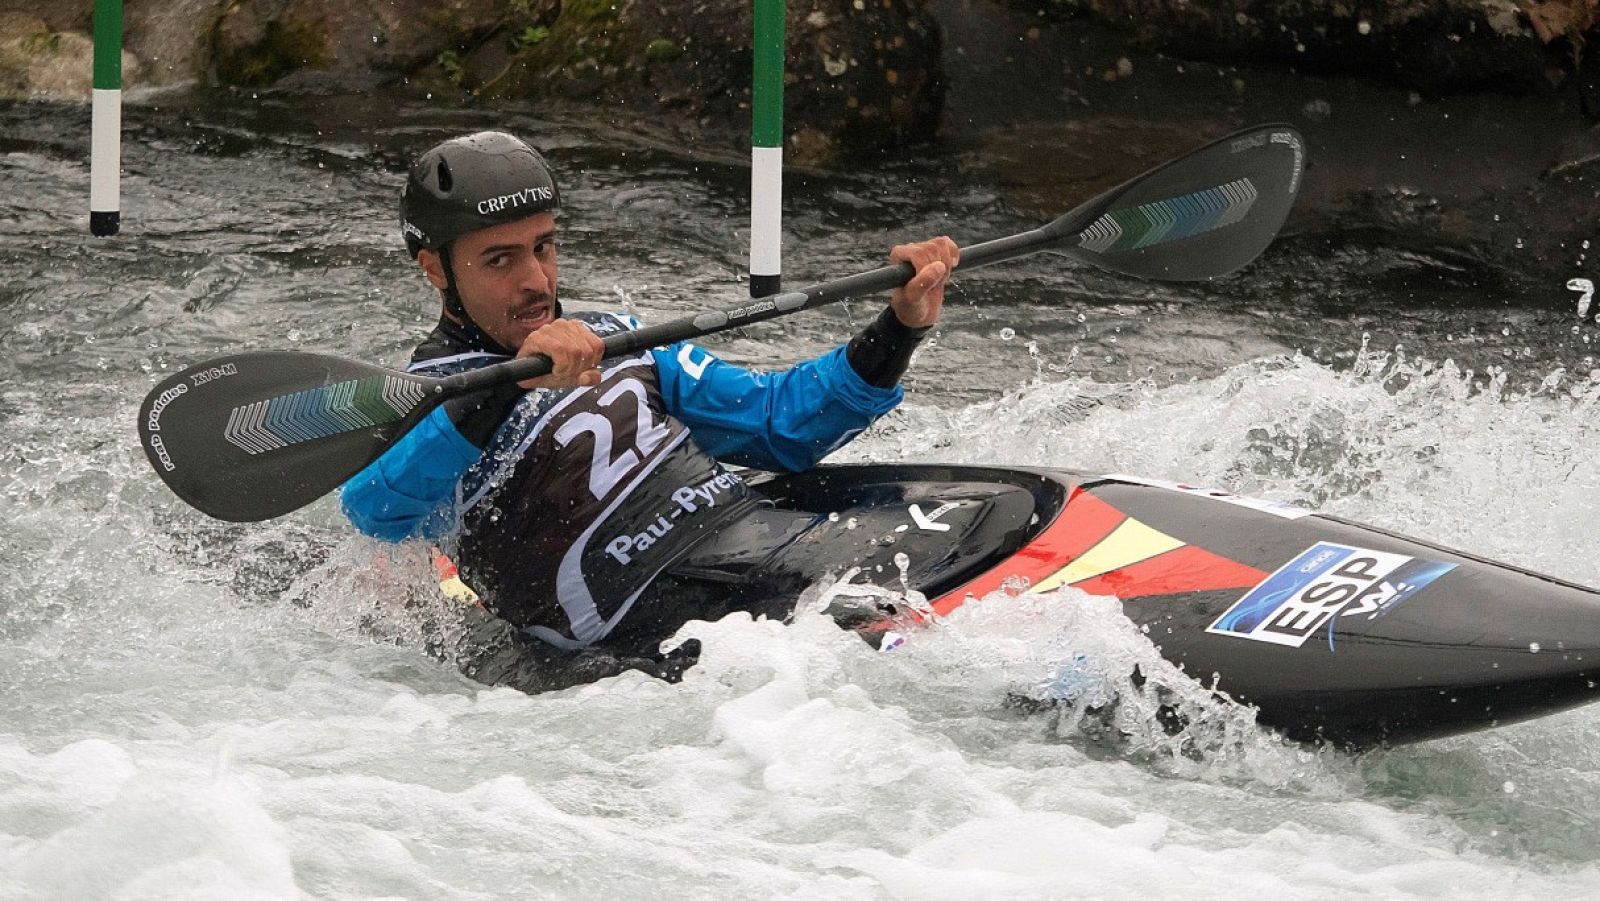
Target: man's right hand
(575, 351)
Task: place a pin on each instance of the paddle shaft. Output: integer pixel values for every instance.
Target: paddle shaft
(256, 435)
(709, 323)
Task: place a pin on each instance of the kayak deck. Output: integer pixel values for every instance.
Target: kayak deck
(1336, 631)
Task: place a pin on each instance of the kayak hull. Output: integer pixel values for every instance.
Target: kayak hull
(1337, 632)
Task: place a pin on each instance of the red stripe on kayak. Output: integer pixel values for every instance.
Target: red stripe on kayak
(1178, 571)
(1092, 520)
(1082, 524)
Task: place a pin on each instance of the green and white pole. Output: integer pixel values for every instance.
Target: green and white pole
(766, 151)
(105, 142)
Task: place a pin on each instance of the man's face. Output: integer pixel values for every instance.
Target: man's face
(506, 275)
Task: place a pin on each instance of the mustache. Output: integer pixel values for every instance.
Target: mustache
(529, 301)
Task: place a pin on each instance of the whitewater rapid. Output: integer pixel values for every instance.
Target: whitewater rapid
(174, 729)
(200, 710)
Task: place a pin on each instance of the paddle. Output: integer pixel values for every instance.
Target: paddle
(256, 435)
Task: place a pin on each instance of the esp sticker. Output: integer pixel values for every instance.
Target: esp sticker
(1324, 583)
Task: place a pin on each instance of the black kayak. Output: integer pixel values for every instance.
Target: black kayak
(1338, 632)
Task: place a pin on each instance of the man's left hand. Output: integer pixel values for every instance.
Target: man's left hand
(918, 302)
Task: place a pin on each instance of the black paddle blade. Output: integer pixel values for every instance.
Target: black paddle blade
(1198, 217)
(257, 435)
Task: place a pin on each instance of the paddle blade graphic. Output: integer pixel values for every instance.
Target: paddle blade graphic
(253, 436)
(1200, 217)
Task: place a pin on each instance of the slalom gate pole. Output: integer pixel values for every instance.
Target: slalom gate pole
(105, 143)
(766, 150)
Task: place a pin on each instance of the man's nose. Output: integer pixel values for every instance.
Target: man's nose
(534, 278)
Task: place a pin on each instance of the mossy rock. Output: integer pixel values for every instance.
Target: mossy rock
(590, 43)
(36, 62)
(632, 57)
(284, 47)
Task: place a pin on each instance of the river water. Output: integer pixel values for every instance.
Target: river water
(200, 710)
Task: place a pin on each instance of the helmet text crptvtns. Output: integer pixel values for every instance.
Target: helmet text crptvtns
(473, 182)
(535, 194)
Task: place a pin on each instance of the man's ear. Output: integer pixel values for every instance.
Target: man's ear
(433, 268)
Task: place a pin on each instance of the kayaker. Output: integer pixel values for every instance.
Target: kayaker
(563, 498)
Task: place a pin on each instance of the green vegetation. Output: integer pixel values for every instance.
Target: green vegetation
(46, 43)
(531, 36)
(450, 62)
(663, 50)
(588, 10)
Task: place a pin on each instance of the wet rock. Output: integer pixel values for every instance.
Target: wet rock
(58, 15)
(253, 49)
(1430, 44)
(167, 37)
(871, 78)
(258, 42)
(162, 39)
(859, 75)
(37, 62)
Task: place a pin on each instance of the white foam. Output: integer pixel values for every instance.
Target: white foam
(198, 710)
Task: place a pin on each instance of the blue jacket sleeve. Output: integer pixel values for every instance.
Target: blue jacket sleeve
(770, 420)
(402, 493)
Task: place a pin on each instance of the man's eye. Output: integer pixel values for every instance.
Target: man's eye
(499, 260)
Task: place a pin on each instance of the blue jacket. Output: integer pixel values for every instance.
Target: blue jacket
(785, 420)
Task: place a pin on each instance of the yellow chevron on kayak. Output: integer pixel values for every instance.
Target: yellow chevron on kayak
(457, 590)
(1128, 543)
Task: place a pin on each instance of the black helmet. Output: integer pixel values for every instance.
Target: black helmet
(470, 183)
